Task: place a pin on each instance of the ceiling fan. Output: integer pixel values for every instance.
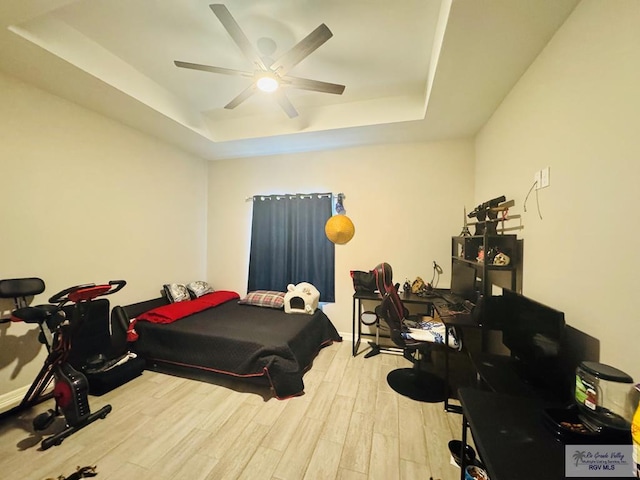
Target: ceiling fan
(269, 75)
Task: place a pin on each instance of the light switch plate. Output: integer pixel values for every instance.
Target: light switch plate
(544, 177)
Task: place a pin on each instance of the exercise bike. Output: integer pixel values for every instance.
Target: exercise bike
(70, 387)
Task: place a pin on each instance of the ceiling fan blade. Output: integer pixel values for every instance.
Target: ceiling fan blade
(246, 93)
(209, 68)
(237, 35)
(301, 50)
(314, 85)
(285, 103)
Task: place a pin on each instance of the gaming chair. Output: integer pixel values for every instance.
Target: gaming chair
(410, 382)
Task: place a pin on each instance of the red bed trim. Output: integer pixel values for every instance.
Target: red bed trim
(175, 311)
(263, 373)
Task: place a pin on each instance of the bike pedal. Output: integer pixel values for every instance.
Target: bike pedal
(44, 420)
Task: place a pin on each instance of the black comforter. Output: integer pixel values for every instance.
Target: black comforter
(241, 340)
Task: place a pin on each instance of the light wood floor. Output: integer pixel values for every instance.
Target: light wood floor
(348, 425)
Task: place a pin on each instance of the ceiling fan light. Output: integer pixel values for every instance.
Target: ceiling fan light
(267, 84)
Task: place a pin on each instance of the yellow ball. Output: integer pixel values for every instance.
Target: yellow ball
(339, 229)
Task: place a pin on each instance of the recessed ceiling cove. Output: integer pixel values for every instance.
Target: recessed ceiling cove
(414, 70)
(135, 46)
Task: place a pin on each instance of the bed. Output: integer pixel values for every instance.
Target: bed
(234, 339)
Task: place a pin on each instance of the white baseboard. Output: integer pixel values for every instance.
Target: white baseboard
(346, 337)
(12, 399)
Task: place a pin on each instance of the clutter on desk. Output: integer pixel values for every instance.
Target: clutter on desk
(419, 286)
(599, 414)
(601, 392)
(364, 281)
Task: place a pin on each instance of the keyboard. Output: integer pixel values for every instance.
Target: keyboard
(452, 298)
(464, 306)
(456, 307)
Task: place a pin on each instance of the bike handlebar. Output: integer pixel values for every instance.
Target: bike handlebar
(87, 291)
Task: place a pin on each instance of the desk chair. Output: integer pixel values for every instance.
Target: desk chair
(410, 382)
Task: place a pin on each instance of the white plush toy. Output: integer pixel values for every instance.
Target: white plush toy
(307, 295)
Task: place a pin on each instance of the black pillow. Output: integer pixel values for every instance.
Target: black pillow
(176, 292)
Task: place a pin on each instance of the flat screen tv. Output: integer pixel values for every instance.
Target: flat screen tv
(534, 334)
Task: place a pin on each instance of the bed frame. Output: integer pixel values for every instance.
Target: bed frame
(241, 341)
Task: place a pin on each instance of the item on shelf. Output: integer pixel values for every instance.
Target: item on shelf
(484, 210)
(465, 228)
(501, 259)
(406, 288)
(491, 253)
(495, 258)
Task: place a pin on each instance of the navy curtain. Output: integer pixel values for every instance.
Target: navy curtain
(288, 243)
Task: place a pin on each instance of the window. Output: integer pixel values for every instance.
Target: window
(288, 243)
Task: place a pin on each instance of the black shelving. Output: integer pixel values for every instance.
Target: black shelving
(480, 251)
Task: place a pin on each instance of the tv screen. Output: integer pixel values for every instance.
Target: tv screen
(534, 332)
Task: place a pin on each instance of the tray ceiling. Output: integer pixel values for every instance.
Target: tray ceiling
(414, 70)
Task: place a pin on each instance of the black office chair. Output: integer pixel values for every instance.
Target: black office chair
(411, 382)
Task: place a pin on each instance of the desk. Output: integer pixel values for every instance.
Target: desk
(431, 303)
(453, 319)
(510, 436)
(356, 311)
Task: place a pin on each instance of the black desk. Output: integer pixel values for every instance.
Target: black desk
(431, 303)
(356, 311)
(453, 319)
(510, 436)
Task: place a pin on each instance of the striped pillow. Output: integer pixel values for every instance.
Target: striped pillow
(264, 298)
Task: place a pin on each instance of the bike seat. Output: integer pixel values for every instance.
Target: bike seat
(37, 314)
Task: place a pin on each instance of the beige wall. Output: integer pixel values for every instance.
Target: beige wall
(406, 202)
(87, 200)
(577, 110)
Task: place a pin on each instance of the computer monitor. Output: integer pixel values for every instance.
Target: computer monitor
(534, 333)
(463, 281)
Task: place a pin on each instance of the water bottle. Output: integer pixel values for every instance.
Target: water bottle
(406, 288)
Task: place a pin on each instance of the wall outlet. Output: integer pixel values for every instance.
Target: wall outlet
(537, 179)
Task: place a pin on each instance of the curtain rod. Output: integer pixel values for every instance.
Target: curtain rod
(294, 195)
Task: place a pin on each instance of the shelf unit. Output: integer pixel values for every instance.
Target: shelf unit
(479, 251)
